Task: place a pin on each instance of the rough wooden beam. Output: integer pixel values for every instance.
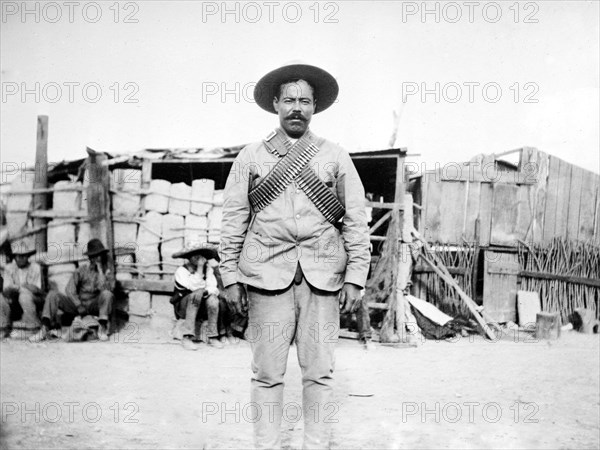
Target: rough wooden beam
(377, 238)
(43, 190)
(40, 181)
(147, 285)
(146, 177)
(380, 222)
(379, 306)
(421, 268)
(552, 276)
(98, 198)
(407, 219)
(54, 214)
(385, 205)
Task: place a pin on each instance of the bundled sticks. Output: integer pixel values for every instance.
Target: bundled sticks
(565, 273)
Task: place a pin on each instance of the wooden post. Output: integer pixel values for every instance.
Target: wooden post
(146, 176)
(405, 315)
(476, 250)
(547, 325)
(408, 218)
(98, 198)
(40, 200)
(40, 180)
(400, 180)
(402, 261)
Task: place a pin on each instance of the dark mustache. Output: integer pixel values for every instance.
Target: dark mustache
(296, 116)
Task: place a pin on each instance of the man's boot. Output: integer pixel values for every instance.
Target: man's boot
(368, 344)
(215, 342)
(103, 332)
(40, 335)
(187, 343)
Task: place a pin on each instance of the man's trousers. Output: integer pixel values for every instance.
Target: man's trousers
(188, 308)
(58, 307)
(20, 305)
(310, 318)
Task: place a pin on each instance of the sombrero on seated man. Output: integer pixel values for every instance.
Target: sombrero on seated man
(95, 247)
(24, 247)
(207, 250)
(325, 87)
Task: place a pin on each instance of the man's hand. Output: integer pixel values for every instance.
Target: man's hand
(349, 298)
(11, 293)
(197, 297)
(235, 296)
(33, 289)
(81, 310)
(100, 270)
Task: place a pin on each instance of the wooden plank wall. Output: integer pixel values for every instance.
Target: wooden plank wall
(500, 285)
(535, 163)
(588, 207)
(547, 198)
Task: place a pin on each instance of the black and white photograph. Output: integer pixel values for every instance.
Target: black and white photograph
(300, 224)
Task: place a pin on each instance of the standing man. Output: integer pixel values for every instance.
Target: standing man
(89, 292)
(295, 234)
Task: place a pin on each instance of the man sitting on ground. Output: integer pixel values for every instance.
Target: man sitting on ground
(22, 296)
(196, 292)
(89, 292)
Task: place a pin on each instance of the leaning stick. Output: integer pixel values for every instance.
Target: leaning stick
(465, 298)
(440, 264)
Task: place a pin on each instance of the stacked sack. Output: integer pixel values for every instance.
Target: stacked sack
(125, 188)
(175, 215)
(66, 240)
(18, 205)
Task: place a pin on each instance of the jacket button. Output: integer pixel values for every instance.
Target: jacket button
(297, 216)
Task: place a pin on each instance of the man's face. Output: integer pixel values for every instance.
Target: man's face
(196, 261)
(295, 107)
(22, 261)
(96, 259)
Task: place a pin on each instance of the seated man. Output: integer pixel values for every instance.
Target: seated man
(22, 296)
(196, 291)
(89, 292)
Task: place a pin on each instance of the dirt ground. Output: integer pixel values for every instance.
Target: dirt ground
(466, 394)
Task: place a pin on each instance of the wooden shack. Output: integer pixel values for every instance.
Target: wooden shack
(518, 220)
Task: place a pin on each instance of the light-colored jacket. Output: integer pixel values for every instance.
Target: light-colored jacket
(18, 278)
(263, 249)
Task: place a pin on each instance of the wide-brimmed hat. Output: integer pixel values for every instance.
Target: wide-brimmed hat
(95, 247)
(209, 251)
(24, 247)
(325, 87)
